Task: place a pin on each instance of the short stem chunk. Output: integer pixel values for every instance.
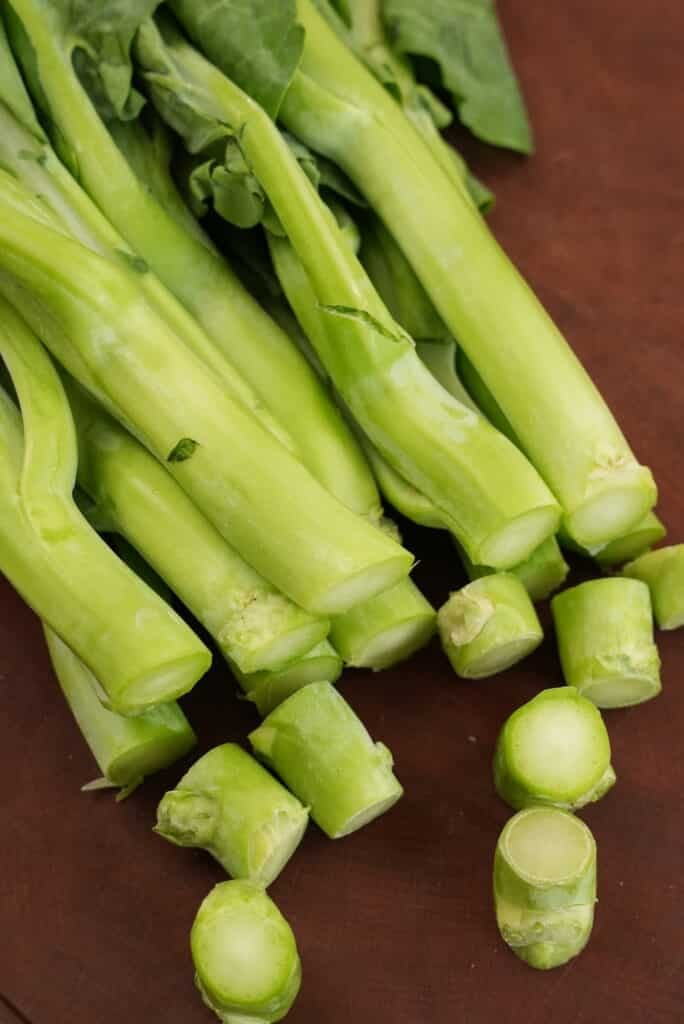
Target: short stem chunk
(554, 750)
(605, 639)
(323, 752)
(545, 886)
(663, 572)
(231, 806)
(488, 625)
(247, 966)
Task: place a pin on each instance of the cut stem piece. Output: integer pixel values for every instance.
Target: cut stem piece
(247, 966)
(266, 690)
(233, 808)
(545, 886)
(488, 625)
(126, 749)
(385, 630)
(554, 750)
(663, 572)
(324, 754)
(637, 542)
(605, 640)
(541, 574)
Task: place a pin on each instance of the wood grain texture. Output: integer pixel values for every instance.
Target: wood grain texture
(395, 923)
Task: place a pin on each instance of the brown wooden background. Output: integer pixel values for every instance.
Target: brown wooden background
(395, 923)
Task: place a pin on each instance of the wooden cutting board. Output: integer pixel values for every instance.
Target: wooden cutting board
(395, 923)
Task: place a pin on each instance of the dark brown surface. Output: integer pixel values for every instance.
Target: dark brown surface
(395, 923)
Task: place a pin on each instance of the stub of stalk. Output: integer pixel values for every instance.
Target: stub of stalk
(126, 749)
(488, 625)
(545, 886)
(266, 690)
(554, 751)
(229, 805)
(605, 640)
(541, 574)
(247, 965)
(324, 754)
(386, 629)
(663, 572)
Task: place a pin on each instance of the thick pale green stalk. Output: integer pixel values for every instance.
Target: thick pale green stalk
(554, 750)
(101, 327)
(247, 966)
(541, 574)
(367, 37)
(488, 625)
(230, 806)
(126, 749)
(266, 690)
(184, 260)
(141, 653)
(545, 886)
(385, 630)
(334, 105)
(255, 627)
(324, 754)
(446, 450)
(605, 639)
(431, 440)
(663, 572)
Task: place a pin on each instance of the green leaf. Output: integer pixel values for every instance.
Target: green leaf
(464, 38)
(220, 175)
(98, 34)
(362, 316)
(257, 43)
(182, 451)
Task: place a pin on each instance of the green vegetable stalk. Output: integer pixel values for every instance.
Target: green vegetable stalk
(361, 26)
(255, 627)
(335, 106)
(488, 625)
(541, 574)
(385, 630)
(130, 182)
(233, 808)
(126, 749)
(324, 754)
(266, 690)
(605, 639)
(99, 324)
(247, 966)
(663, 572)
(545, 886)
(554, 750)
(141, 653)
(446, 450)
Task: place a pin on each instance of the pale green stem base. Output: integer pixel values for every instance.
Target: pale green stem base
(488, 626)
(605, 640)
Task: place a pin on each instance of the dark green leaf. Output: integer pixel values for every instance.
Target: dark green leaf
(465, 39)
(257, 43)
(184, 450)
